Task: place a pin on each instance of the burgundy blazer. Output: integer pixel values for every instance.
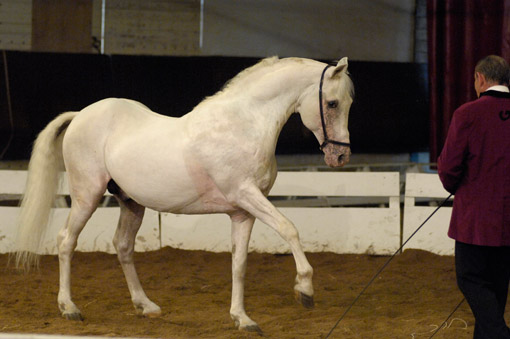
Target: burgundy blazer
(475, 166)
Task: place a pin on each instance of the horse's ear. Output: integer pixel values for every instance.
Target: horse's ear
(341, 67)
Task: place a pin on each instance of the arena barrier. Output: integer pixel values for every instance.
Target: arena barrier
(361, 215)
(423, 192)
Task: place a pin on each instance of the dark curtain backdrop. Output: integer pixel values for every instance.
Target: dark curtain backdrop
(460, 32)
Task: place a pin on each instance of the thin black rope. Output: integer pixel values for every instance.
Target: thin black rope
(446, 321)
(384, 266)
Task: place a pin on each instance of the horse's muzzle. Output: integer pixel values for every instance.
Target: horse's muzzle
(336, 156)
(341, 158)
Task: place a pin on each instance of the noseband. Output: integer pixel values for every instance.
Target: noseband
(326, 139)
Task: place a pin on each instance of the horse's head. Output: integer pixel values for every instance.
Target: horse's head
(329, 121)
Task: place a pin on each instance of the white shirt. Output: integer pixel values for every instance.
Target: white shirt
(499, 88)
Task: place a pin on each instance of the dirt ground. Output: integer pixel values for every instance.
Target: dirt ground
(414, 295)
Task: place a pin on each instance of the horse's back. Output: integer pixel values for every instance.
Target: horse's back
(86, 138)
(111, 115)
(104, 109)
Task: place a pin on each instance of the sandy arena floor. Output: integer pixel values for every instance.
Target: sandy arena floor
(410, 299)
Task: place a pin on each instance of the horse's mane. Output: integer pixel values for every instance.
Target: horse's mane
(241, 76)
(265, 65)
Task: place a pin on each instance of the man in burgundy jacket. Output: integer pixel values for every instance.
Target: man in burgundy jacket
(475, 166)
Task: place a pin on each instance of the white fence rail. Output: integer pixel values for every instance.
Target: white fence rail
(371, 229)
(432, 237)
(97, 235)
(333, 229)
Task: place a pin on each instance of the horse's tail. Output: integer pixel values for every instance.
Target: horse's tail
(42, 186)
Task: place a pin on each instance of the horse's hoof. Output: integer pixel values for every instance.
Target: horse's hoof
(305, 300)
(150, 311)
(73, 316)
(152, 314)
(252, 328)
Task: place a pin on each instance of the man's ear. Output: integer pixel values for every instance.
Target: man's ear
(482, 81)
(341, 67)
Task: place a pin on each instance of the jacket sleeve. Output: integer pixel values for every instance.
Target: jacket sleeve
(451, 164)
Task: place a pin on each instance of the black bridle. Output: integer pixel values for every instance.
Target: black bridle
(326, 139)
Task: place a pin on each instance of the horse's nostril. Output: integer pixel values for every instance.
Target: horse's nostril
(340, 158)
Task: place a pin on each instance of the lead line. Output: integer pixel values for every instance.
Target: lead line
(446, 321)
(384, 266)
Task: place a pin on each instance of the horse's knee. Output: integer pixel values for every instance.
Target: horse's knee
(60, 237)
(288, 231)
(120, 246)
(124, 250)
(124, 257)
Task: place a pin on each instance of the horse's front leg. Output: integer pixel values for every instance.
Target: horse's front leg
(131, 215)
(242, 225)
(253, 201)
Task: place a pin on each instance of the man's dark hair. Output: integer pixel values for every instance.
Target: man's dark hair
(495, 69)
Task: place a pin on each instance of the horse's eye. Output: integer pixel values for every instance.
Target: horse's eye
(333, 104)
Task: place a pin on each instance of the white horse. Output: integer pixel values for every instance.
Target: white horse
(219, 158)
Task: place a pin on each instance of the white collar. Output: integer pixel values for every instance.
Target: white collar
(498, 88)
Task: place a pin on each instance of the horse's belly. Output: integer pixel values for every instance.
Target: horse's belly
(201, 207)
(180, 199)
(166, 182)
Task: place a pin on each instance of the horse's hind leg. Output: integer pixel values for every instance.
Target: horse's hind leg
(242, 225)
(131, 215)
(82, 208)
(253, 201)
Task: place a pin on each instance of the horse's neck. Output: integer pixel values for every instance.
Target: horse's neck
(272, 98)
(255, 108)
